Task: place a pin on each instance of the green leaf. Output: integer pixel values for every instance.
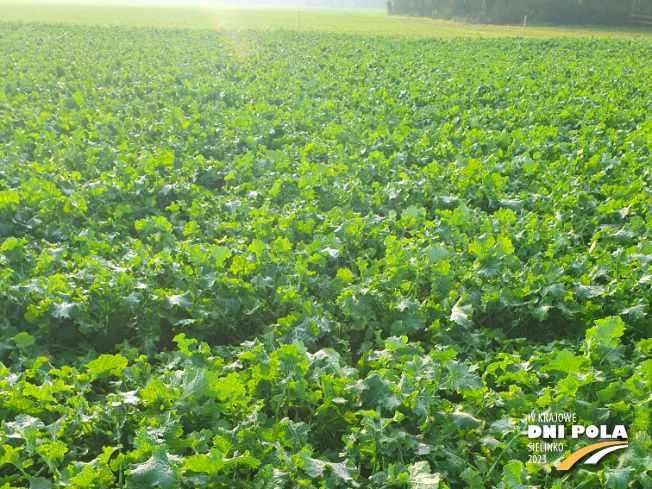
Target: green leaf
(183, 301)
(333, 253)
(460, 314)
(566, 362)
(461, 377)
(645, 346)
(132, 300)
(345, 275)
(21, 426)
(155, 391)
(113, 364)
(313, 467)
(567, 387)
(606, 332)
(617, 478)
(635, 313)
(374, 391)
(503, 426)
(159, 470)
(483, 247)
(421, 478)
(514, 476)
(413, 213)
(472, 479)
(270, 477)
(343, 471)
(62, 310)
(555, 290)
(40, 483)
(220, 254)
(436, 252)
(194, 383)
(257, 247)
(411, 323)
(585, 292)
(512, 298)
(308, 331)
(184, 344)
(214, 462)
(504, 246)
(53, 453)
(230, 388)
(464, 421)
(23, 340)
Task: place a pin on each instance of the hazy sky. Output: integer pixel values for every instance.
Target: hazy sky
(375, 4)
(308, 3)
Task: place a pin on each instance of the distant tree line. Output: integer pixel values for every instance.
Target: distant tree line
(512, 11)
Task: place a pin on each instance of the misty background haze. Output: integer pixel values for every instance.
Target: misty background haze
(372, 4)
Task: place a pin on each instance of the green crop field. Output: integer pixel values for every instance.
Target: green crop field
(215, 16)
(262, 258)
